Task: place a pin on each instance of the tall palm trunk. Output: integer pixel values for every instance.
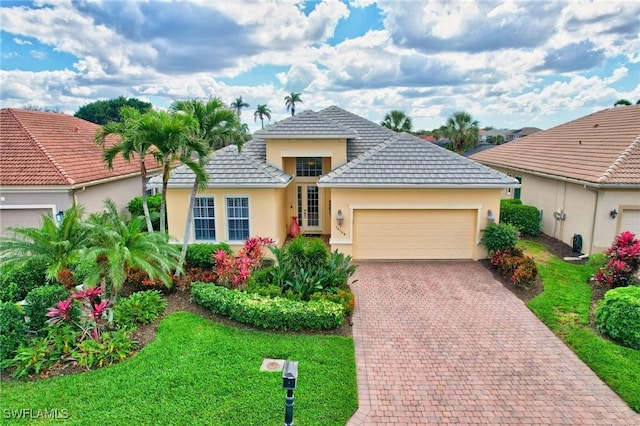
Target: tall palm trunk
(187, 226)
(163, 199)
(145, 205)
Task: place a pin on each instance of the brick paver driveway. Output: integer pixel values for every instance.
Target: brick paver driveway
(443, 342)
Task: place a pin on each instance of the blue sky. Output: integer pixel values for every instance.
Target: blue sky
(508, 63)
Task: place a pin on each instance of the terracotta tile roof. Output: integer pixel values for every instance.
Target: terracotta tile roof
(601, 148)
(43, 148)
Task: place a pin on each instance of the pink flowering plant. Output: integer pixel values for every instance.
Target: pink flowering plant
(91, 307)
(623, 263)
(234, 271)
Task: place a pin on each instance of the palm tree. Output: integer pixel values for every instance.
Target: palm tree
(463, 131)
(290, 101)
(622, 102)
(237, 105)
(397, 121)
(116, 246)
(128, 146)
(217, 126)
(172, 136)
(261, 112)
(56, 245)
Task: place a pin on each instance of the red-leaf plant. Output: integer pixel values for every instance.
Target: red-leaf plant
(233, 272)
(624, 261)
(91, 306)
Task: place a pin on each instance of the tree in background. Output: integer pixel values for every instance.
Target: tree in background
(622, 102)
(495, 139)
(290, 101)
(108, 111)
(218, 126)
(261, 112)
(237, 106)
(397, 121)
(129, 145)
(463, 131)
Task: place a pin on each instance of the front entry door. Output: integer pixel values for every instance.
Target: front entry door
(308, 203)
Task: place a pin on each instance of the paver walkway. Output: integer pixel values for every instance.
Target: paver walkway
(444, 342)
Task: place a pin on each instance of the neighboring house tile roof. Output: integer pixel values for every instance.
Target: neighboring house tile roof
(43, 148)
(228, 168)
(602, 148)
(405, 160)
(306, 124)
(376, 156)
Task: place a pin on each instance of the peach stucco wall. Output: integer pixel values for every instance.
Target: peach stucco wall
(349, 199)
(280, 149)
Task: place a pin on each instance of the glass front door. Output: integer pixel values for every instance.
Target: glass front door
(308, 207)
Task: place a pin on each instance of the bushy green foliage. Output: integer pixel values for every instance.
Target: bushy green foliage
(38, 302)
(525, 218)
(306, 253)
(499, 236)
(153, 202)
(343, 297)
(11, 330)
(113, 347)
(270, 313)
(139, 308)
(16, 281)
(513, 201)
(618, 315)
(203, 255)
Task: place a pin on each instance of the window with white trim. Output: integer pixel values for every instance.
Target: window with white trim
(204, 219)
(238, 218)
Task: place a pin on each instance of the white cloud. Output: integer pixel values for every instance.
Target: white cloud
(21, 41)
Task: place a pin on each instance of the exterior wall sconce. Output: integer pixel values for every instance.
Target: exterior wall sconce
(59, 216)
(339, 218)
(490, 217)
(613, 213)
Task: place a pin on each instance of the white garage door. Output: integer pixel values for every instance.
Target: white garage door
(630, 221)
(13, 218)
(414, 234)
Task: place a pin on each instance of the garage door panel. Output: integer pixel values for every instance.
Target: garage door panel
(14, 218)
(630, 221)
(414, 234)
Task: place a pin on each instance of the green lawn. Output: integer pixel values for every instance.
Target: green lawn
(564, 307)
(199, 372)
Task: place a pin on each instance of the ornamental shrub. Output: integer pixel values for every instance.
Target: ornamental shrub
(499, 236)
(618, 316)
(512, 264)
(38, 302)
(203, 255)
(11, 330)
(17, 281)
(265, 312)
(623, 262)
(525, 218)
(139, 308)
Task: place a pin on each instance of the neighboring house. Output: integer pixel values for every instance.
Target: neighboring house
(50, 161)
(377, 194)
(485, 134)
(584, 175)
(521, 133)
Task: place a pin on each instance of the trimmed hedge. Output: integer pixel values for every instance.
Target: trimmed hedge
(11, 330)
(525, 218)
(202, 255)
(618, 316)
(272, 313)
(499, 236)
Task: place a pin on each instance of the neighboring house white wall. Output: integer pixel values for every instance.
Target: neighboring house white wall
(120, 191)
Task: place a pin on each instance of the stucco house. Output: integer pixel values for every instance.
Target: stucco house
(584, 175)
(49, 161)
(377, 194)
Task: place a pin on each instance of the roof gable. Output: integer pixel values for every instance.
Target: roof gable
(601, 148)
(42, 148)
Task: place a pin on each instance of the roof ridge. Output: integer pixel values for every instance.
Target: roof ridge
(612, 169)
(42, 148)
(360, 158)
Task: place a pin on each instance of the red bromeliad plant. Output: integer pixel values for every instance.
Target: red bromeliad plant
(91, 306)
(623, 264)
(233, 272)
